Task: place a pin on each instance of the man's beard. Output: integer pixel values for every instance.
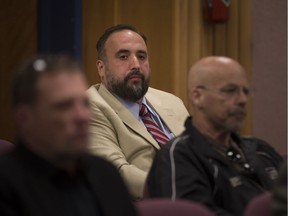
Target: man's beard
(131, 92)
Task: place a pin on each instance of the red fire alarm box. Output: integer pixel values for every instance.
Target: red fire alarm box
(217, 10)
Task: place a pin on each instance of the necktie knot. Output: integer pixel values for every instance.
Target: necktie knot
(143, 110)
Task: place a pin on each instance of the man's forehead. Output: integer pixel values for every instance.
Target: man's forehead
(225, 81)
(124, 36)
(223, 77)
(58, 76)
(53, 84)
(125, 32)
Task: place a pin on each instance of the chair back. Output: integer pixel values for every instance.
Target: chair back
(5, 145)
(260, 205)
(146, 194)
(156, 207)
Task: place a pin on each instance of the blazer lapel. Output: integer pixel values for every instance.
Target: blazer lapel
(166, 114)
(126, 116)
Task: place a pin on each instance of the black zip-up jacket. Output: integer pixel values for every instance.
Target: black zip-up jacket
(189, 168)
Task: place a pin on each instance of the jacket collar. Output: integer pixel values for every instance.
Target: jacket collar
(204, 145)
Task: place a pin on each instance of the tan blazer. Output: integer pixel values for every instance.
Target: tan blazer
(118, 136)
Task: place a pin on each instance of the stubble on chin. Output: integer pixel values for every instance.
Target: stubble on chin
(235, 127)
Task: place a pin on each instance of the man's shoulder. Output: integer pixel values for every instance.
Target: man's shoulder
(9, 165)
(155, 95)
(178, 143)
(93, 90)
(98, 162)
(99, 96)
(98, 165)
(158, 92)
(7, 158)
(255, 141)
(259, 145)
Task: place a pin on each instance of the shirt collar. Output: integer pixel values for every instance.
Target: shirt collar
(134, 107)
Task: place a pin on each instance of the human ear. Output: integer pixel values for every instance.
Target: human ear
(101, 70)
(196, 97)
(23, 116)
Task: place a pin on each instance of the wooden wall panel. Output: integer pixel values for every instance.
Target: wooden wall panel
(220, 40)
(180, 52)
(154, 18)
(18, 41)
(233, 31)
(97, 16)
(245, 52)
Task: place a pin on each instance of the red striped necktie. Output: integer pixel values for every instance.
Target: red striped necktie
(152, 127)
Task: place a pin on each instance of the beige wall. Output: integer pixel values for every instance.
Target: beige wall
(269, 54)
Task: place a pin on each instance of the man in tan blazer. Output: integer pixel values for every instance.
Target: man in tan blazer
(117, 131)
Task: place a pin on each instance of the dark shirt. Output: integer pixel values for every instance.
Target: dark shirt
(32, 186)
(232, 152)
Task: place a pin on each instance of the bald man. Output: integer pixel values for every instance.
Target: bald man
(210, 162)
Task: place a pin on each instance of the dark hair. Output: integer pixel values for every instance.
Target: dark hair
(102, 40)
(25, 78)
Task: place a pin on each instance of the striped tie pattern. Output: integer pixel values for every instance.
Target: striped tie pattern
(152, 127)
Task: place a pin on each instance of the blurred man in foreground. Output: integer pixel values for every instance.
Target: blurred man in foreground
(49, 172)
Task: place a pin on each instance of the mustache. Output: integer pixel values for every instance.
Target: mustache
(237, 112)
(134, 73)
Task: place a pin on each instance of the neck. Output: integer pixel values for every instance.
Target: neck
(69, 163)
(65, 162)
(70, 166)
(221, 136)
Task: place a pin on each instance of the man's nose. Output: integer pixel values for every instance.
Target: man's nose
(83, 112)
(242, 97)
(134, 62)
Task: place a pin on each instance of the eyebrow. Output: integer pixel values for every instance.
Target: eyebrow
(235, 85)
(142, 52)
(122, 50)
(128, 51)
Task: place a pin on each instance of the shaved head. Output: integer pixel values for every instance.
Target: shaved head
(210, 70)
